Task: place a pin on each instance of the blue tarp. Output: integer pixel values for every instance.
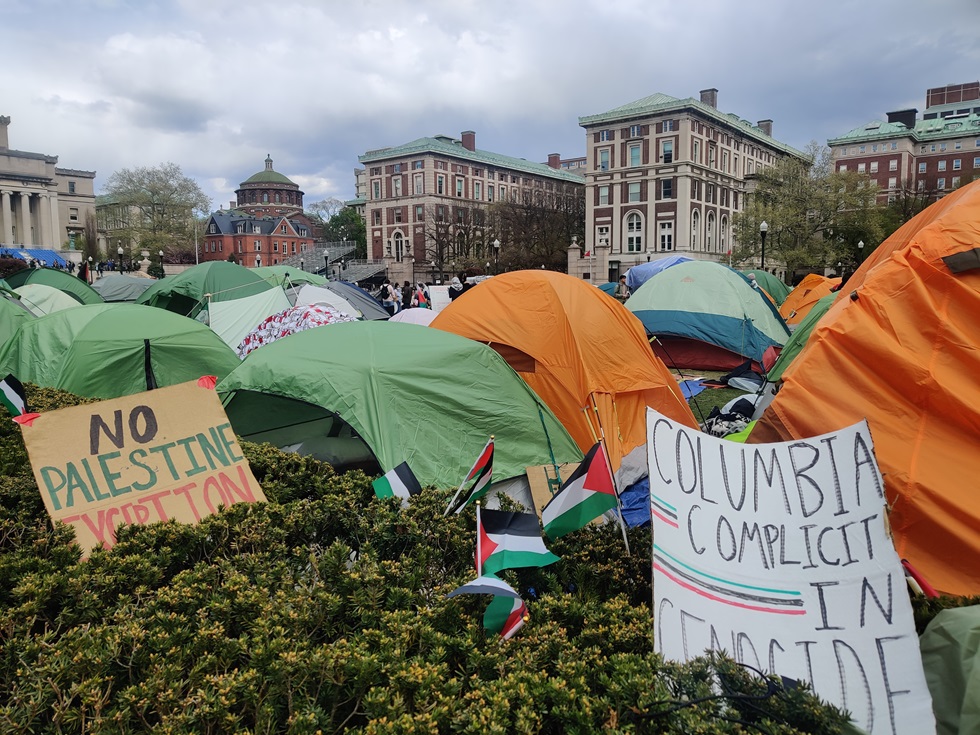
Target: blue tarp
(640, 274)
(636, 503)
(48, 257)
(690, 388)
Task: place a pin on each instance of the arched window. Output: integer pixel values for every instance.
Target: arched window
(278, 198)
(399, 246)
(695, 229)
(634, 233)
(723, 234)
(709, 233)
(265, 197)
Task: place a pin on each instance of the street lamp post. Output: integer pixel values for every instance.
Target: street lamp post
(88, 271)
(302, 264)
(326, 263)
(860, 252)
(119, 252)
(763, 229)
(496, 256)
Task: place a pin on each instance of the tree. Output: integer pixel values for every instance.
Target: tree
(906, 202)
(324, 209)
(816, 215)
(158, 205)
(538, 226)
(347, 225)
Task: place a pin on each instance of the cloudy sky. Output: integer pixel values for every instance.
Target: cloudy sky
(215, 85)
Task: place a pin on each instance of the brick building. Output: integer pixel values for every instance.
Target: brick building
(928, 156)
(666, 175)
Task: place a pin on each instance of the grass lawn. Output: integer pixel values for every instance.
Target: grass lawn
(707, 399)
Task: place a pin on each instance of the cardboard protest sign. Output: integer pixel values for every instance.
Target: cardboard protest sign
(779, 555)
(167, 453)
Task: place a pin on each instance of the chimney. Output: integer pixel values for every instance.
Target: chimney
(554, 160)
(906, 117)
(765, 126)
(469, 140)
(4, 122)
(710, 97)
(232, 205)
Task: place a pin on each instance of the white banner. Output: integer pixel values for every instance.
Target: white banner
(779, 555)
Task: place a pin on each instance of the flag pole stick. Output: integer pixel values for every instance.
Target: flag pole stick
(479, 555)
(605, 452)
(460, 489)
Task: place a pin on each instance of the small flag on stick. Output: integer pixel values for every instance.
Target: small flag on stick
(585, 495)
(506, 613)
(398, 483)
(12, 396)
(480, 473)
(510, 540)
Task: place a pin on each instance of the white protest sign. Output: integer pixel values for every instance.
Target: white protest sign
(779, 555)
(439, 298)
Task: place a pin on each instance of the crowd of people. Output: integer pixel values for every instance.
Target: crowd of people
(395, 297)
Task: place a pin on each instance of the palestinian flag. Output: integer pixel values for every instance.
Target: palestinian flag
(480, 473)
(506, 616)
(510, 541)
(12, 396)
(585, 495)
(486, 584)
(398, 483)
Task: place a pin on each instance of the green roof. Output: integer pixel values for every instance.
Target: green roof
(447, 146)
(660, 103)
(268, 177)
(924, 130)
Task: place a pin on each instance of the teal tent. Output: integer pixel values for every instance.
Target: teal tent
(795, 344)
(188, 292)
(770, 284)
(707, 316)
(366, 392)
(111, 350)
(117, 287)
(71, 285)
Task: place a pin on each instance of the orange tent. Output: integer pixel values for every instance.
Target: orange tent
(901, 347)
(802, 298)
(578, 348)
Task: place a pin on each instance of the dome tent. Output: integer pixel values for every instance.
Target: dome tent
(900, 348)
(71, 285)
(573, 345)
(336, 393)
(41, 299)
(12, 314)
(117, 287)
(643, 272)
(285, 276)
(707, 316)
(186, 293)
(111, 350)
(806, 294)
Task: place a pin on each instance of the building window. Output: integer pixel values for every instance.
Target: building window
(976, 162)
(709, 233)
(376, 216)
(604, 159)
(419, 213)
(71, 187)
(861, 168)
(397, 185)
(257, 245)
(459, 187)
(941, 184)
(634, 191)
(956, 164)
(668, 125)
(893, 165)
(892, 182)
(666, 235)
(942, 165)
(922, 167)
(73, 214)
(477, 190)
(695, 190)
(275, 246)
(375, 189)
(696, 151)
(666, 188)
(441, 213)
(843, 167)
(490, 192)
(667, 151)
(634, 233)
(711, 194)
(635, 131)
(634, 151)
(723, 234)
(416, 164)
(724, 161)
(695, 228)
(955, 182)
(398, 214)
(874, 167)
(419, 183)
(602, 235)
(605, 135)
(942, 146)
(440, 185)
(503, 193)
(603, 195)
(376, 170)
(920, 185)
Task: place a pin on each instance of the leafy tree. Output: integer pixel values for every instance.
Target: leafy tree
(537, 228)
(159, 206)
(816, 215)
(324, 209)
(346, 224)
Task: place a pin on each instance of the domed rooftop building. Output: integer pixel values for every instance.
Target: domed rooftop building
(268, 192)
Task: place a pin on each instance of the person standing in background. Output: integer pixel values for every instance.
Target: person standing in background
(622, 291)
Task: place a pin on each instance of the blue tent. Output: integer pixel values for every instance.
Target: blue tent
(640, 274)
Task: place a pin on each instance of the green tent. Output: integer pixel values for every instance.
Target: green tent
(798, 339)
(72, 285)
(357, 392)
(771, 285)
(111, 350)
(12, 315)
(119, 287)
(188, 292)
(41, 299)
(283, 275)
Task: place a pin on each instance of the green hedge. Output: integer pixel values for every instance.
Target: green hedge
(325, 610)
